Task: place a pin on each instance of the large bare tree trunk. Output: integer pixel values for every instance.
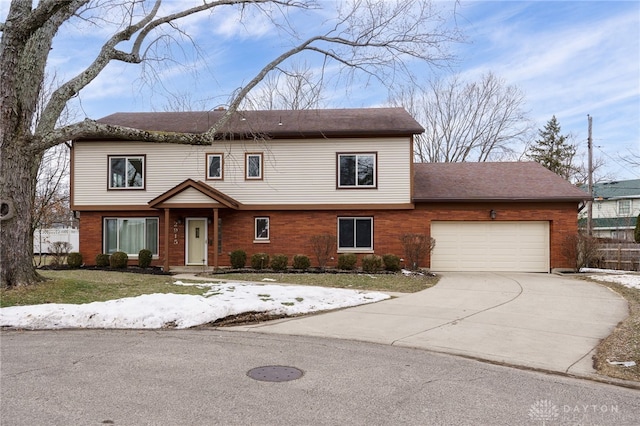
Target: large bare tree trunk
(16, 238)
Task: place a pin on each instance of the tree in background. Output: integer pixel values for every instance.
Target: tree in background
(636, 234)
(553, 150)
(294, 88)
(51, 203)
(473, 121)
(380, 39)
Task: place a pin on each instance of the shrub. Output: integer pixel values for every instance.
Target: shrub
(279, 262)
(371, 263)
(391, 262)
(59, 250)
(259, 261)
(74, 260)
(581, 248)
(102, 260)
(323, 247)
(347, 261)
(300, 261)
(144, 258)
(416, 247)
(238, 259)
(118, 260)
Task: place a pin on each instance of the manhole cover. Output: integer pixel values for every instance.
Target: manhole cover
(274, 373)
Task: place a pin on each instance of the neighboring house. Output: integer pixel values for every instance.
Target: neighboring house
(273, 179)
(615, 210)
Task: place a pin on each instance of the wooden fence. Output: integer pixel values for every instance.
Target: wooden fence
(622, 256)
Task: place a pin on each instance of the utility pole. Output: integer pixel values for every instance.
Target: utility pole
(590, 201)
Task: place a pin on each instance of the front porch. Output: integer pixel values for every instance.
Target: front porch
(191, 219)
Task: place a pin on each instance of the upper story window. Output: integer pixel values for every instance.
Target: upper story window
(253, 166)
(126, 172)
(357, 170)
(624, 207)
(215, 166)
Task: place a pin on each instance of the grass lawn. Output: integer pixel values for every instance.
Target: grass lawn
(84, 286)
(372, 282)
(624, 343)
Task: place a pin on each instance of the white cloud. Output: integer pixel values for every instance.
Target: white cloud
(570, 58)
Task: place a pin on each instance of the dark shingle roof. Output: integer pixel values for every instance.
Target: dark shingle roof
(276, 123)
(515, 181)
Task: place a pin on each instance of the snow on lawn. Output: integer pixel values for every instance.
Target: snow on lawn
(613, 276)
(183, 311)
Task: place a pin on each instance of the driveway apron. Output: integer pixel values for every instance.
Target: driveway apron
(540, 321)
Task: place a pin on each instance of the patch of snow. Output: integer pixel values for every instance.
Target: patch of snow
(183, 311)
(603, 271)
(624, 278)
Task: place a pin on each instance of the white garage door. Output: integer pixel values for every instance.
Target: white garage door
(490, 246)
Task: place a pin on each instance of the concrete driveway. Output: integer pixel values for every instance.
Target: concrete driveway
(540, 321)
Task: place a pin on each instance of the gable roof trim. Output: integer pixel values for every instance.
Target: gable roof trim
(202, 187)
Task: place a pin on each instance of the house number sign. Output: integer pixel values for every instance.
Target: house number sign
(175, 232)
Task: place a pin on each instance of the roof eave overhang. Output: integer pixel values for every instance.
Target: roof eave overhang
(288, 135)
(500, 200)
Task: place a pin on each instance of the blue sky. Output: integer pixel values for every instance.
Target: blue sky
(570, 58)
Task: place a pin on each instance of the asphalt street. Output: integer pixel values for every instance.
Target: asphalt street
(200, 377)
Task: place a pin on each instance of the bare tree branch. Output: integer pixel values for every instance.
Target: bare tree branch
(293, 89)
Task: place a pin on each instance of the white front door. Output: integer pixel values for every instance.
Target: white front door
(196, 241)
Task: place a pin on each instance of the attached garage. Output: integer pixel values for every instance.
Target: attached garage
(514, 246)
(497, 216)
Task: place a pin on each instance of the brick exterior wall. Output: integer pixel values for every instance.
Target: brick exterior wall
(290, 231)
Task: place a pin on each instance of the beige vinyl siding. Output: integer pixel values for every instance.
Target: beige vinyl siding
(295, 171)
(190, 196)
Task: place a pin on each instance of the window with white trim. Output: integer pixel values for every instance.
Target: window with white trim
(214, 166)
(130, 235)
(253, 166)
(624, 207)
(261, 229)
(126, 172)
(357, 170)
(355, 233)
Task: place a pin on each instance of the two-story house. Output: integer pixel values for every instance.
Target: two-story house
(273, 179)
(615, 209)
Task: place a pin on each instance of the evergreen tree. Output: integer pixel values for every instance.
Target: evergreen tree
(636, 234)
(553, 151)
